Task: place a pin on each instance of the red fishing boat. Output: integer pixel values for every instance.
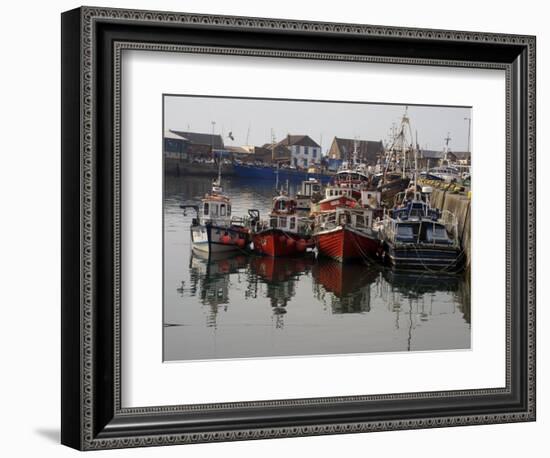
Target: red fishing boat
(287, 233)
(346, 233)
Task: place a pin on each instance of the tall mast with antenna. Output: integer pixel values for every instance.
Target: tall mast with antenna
(446, 151)
(415, 158)
(354, 162)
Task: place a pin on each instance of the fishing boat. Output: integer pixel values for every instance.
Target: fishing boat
(214, 230)
(310, 193)
(286, 233)
(346, 233)
(346, 187)
(446, 173)
(416, 236)
(392, 184)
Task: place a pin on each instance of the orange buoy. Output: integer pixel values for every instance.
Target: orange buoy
(226, 239)
(241, 243)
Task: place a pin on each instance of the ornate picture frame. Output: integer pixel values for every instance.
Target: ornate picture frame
(92, 413)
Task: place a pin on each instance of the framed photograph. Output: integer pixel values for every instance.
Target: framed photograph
(278, 228)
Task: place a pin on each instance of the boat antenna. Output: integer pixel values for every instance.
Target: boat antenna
(355, 152)
(446, 151)
(272, 145)
(415, 158)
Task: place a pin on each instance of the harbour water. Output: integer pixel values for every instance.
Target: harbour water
(243, 306)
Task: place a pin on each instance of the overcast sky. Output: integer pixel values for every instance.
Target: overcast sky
(322, 121)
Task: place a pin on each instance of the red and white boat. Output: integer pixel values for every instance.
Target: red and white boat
(346, 232)
(287, 233)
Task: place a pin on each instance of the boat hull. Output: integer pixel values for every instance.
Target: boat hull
(277, 243)
(346, 244)
(263, 173)
(210, 239)
(414, 257)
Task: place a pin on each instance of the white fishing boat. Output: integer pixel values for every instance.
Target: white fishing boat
(214, 229)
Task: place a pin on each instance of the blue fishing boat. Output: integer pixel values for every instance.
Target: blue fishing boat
(416, 236)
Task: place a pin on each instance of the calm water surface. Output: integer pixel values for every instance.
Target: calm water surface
(237, 305)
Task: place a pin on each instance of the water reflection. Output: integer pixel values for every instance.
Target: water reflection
(210, 279)
(280, 276)
(341, 288)
(231, 305)
(346, 288)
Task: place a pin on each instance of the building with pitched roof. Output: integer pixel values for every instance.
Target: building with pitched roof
(188, 145)
(304, 151)
(368, 152)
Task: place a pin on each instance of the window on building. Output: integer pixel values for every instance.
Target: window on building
(306, 150)
(214, 210)
(222, 210)
(314, 152)
(228, 210)
(206, 208)
(282, 221)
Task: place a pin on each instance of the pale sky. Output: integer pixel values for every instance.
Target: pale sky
(254, 119)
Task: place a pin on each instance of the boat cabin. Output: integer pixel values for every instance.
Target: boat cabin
(371, 199)
(415, 209)
(420, 232)
(282, 204)
(358, 218)
(215, 209)
(337, 191)
(351, 176)
(310, 187)
(309, 193)
(285, 216)
(291, 223)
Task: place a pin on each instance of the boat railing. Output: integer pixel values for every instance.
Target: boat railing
(450, 221)
(388, 224)
(221, 221)
(239, 220)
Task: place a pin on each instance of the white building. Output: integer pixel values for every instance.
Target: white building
(304, 150)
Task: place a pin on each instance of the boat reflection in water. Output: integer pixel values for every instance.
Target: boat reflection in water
(276, 278)
(345, 287)
(210, 279)
(280, 276)
(422, 288)
(416, 298)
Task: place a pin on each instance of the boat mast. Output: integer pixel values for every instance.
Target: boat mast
(404, 121)
(218, 182)
(415, 159)
(273, 145)
(446, 150)
(354, 163)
